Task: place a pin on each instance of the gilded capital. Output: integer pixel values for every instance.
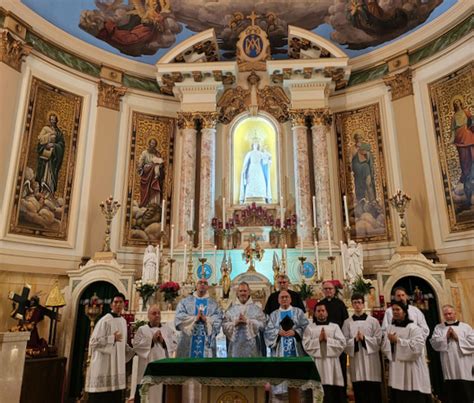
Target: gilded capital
(12, 51)
(297, 117)
(186, 120)
(209, 119)
(320, 117)
(400, 84)
(110, 95)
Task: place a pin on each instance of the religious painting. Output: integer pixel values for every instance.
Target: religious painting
(452, 102)
(362, 173)
(150, 178)
(255, 162)
(44, 180)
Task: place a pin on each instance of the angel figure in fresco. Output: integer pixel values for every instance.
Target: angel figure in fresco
(151, 171)
(462, 136)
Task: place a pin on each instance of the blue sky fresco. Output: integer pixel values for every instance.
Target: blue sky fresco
(65, 14)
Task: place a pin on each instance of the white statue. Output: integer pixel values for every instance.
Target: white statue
(255, 176)
(353, 260)
(149, 265)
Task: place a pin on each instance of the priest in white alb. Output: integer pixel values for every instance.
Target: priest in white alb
(325, 342)
(403, 344)
(363, 337)
(105, 379)
(455, 342)
(199, 319)
(153, 341)
(242, 324)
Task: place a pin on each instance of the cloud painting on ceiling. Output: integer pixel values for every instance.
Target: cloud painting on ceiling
(146, 29)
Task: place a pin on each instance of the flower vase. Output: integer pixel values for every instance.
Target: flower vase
(145, 302)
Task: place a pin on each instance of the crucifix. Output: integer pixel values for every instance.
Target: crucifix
(252, 17)
(22, 302)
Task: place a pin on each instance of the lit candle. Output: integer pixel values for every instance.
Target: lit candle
(285, 252)
(172, 241)
(346, 211)
(163, 212)
(215, 258)
(343, 261)
(202, 240)
(185, 252)
(301, 239)
(314, 212)
(191, 218)
(157, 262)
(329, 237)
(281, 212)
(223, 212)
(316, 255)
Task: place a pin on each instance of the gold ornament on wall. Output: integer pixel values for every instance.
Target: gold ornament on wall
(233, 102)
(110, 95)
(12, 50)
(400, 84)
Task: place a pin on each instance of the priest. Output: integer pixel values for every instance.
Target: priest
(242, 324)
(455, 342)
(199, 319)
(363, 337)
(105, 380)
(153, 341)
(403, 344)
(283, 285)
(325, 342)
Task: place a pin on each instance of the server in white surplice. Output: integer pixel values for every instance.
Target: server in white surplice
(325, 342)
(403, 344)
(363, 336)
(455, 342)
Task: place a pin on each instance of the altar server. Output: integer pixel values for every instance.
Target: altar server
(242, 324)
(153, 341)
(199, 319)
(363, 336)
(325, 342)
(403, 344)
(105, 380)
(455, 342)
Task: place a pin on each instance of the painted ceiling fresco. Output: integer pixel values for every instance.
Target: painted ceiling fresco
(145, 30)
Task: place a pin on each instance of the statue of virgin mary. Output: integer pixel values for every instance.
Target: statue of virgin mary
(255, 177)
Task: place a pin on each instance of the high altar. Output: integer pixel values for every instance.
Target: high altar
(298, 140)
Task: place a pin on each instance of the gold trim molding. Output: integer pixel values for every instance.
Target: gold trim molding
(12, 50)
(400, 85)
(110, 95)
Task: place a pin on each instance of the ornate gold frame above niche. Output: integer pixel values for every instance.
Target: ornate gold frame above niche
(362, 173)
(150, 178)
(452, 102)
(44, 179)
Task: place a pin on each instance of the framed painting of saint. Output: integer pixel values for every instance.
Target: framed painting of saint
(362, 173)
(150, 178)
(44, 179)
(452, 103)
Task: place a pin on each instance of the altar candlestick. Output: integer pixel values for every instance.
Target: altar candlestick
(172, 241)
(301, 239)
(191, 218)
(315, 224)
(215, 258)
(329, 237)
(316, 255)
(285, 252)
(163, 212)
(185, 253)
(202, 240)
(281, 212)
(157, 262)
(343, 261)
(346, 211)
(223, 212)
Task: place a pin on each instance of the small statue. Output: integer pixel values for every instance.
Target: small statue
(225, 282)
(352, 254)
(149, 265)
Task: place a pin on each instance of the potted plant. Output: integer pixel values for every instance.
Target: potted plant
(361, 285)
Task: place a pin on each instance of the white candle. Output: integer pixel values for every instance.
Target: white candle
(185, 253)
(281, 212)
(315, 224)
(329, 237)
(215, 258)
(157, 262)
(163, 211)
(316, 255)
(223, 212)
(346, 211)
(172, 241)
(301, 239)
(343, 262)
(285, 252)
(202, 240)
(191, 218)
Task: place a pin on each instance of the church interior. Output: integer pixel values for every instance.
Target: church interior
(145, 143)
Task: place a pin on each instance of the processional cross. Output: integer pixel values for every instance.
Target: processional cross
(22, 302)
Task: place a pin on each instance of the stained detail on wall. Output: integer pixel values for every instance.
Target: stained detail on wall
(44, 180)
(362, 173)
(150, 177)
(452, 102)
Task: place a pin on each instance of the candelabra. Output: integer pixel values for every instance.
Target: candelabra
(109, 209)
(189, 277)
(400, 202)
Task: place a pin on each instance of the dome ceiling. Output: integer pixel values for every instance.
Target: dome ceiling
(144, 30)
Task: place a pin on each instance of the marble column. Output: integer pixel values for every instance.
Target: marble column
(320, 127)
(302, 181)
(187, 182)
(207, 175)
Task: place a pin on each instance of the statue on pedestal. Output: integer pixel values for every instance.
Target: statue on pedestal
(150, 264)
(352, 254)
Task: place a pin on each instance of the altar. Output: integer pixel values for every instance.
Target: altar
(243, 378)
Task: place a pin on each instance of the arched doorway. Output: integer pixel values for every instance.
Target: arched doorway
(104, 290)
(424, 297)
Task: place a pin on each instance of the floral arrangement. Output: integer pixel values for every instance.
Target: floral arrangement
(146, 290)
(305, 290)
(170, 290)
(361, 285)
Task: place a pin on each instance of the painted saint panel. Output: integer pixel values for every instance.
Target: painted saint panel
(452, 102)
(44, 180)
(362, 173)
(255, 162)
(150, 177)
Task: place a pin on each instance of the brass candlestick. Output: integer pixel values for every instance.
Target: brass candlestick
(109, 208)
(189, 276)
(347, 231)
(332, 259)
(316, 233)
(203, 260)
(171, 261)
(400, 202)
(302, 259)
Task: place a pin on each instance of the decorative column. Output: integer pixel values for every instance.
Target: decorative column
(187, 183)
(208, 174)
(302, 183)
(320, 125)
